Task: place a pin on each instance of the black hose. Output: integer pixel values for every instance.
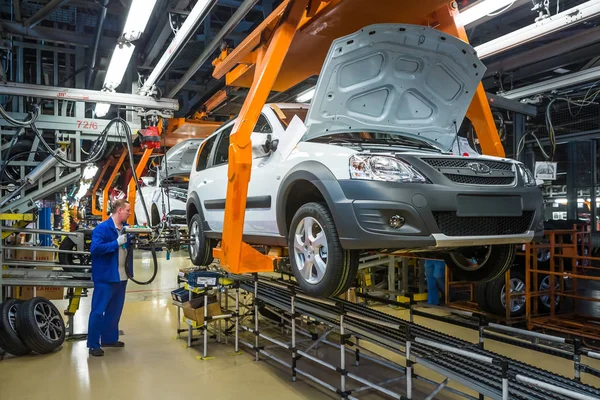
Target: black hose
(154, 273)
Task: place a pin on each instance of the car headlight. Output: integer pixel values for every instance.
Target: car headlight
(528, 178)
(382, 168)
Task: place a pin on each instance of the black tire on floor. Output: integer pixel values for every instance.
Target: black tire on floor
(73, 259)
(496, 259)
(40, 325)
(494, 294)
(340, 266)
(544, 285)
(9, 337)
(201, 247)
(481, 296)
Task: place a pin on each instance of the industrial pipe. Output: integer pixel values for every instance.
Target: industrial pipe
(99, 28)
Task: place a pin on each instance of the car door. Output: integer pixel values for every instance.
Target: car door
(257, 205)
(211, 177)
(200, 178)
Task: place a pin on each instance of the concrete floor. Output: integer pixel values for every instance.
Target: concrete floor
(156, 365)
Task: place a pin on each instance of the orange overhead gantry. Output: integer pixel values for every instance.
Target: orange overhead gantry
(290, 46)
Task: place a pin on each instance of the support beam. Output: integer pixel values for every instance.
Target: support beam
(17, 9)
(55, 35)
(235, 255)
(92, 96)
(44, 12)
(555, 23)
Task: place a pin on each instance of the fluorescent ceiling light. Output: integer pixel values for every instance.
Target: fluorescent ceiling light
(558, 22)
(482, 9)
(198, 13)
(137, 19)
(306, 96)
(118, 65)
(101, 109)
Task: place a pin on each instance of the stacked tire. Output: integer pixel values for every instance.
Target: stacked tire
(30, 326)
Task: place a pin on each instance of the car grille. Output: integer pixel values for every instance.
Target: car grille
(480, 180)
(464, 163)
(452, 225)
(458, 170)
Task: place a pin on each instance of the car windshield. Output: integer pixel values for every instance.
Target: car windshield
(368, 139)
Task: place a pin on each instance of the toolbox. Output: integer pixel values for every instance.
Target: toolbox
(181, 295)
(203, 278)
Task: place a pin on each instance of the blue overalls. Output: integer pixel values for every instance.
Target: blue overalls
(109, 291)
(435, 271)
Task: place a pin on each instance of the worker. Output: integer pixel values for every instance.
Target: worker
(109, 260)
(435, 272)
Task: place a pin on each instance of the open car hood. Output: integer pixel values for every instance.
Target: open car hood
(179, 159)
(395, 78)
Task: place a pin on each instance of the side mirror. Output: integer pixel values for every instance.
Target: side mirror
(270, 145)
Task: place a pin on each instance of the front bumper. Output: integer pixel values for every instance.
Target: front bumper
(435, 215)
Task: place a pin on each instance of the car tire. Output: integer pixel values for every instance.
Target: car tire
(544, 301)
(481, 296)
(339, 268)
(492, 262)
(40, 325)
(9, 337)
(201, 247)
(73, 259)
(495, 294)
(154, 216)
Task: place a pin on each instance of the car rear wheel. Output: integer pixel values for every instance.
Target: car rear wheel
(481, 263)
(320, 265)
(201, 247)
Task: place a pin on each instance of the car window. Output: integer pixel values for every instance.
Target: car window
(262, 125)
(204, 153)
(222, 151)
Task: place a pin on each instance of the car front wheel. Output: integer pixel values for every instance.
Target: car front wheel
(201, 247)
(481, 263)
(321, 266)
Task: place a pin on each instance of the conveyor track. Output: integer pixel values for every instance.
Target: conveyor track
(476, 372)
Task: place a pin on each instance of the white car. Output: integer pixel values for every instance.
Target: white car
(168, 186)
(368, 167)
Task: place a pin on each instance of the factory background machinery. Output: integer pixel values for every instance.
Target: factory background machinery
(93, 93)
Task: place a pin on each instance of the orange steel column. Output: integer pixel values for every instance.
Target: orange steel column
(131, 188)
(234, 255)
(479, 111)
(95, 210)
(111, 179)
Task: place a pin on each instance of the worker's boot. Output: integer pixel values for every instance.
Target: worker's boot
(97, 352)
(115, 344)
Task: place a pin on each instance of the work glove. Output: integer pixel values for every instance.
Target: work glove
(122, 239)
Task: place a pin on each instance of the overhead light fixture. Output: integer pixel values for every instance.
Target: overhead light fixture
(193, 20)
(562, 70)
(118, 65)
(558, 22)
(482, 9)
(306, 96)
(101, 109)
(137, 19)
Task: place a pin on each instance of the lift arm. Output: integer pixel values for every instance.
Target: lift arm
(274, 57)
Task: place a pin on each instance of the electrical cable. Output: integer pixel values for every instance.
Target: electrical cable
(498, 12)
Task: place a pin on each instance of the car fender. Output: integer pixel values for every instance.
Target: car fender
(193, 199)
(324, 180)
